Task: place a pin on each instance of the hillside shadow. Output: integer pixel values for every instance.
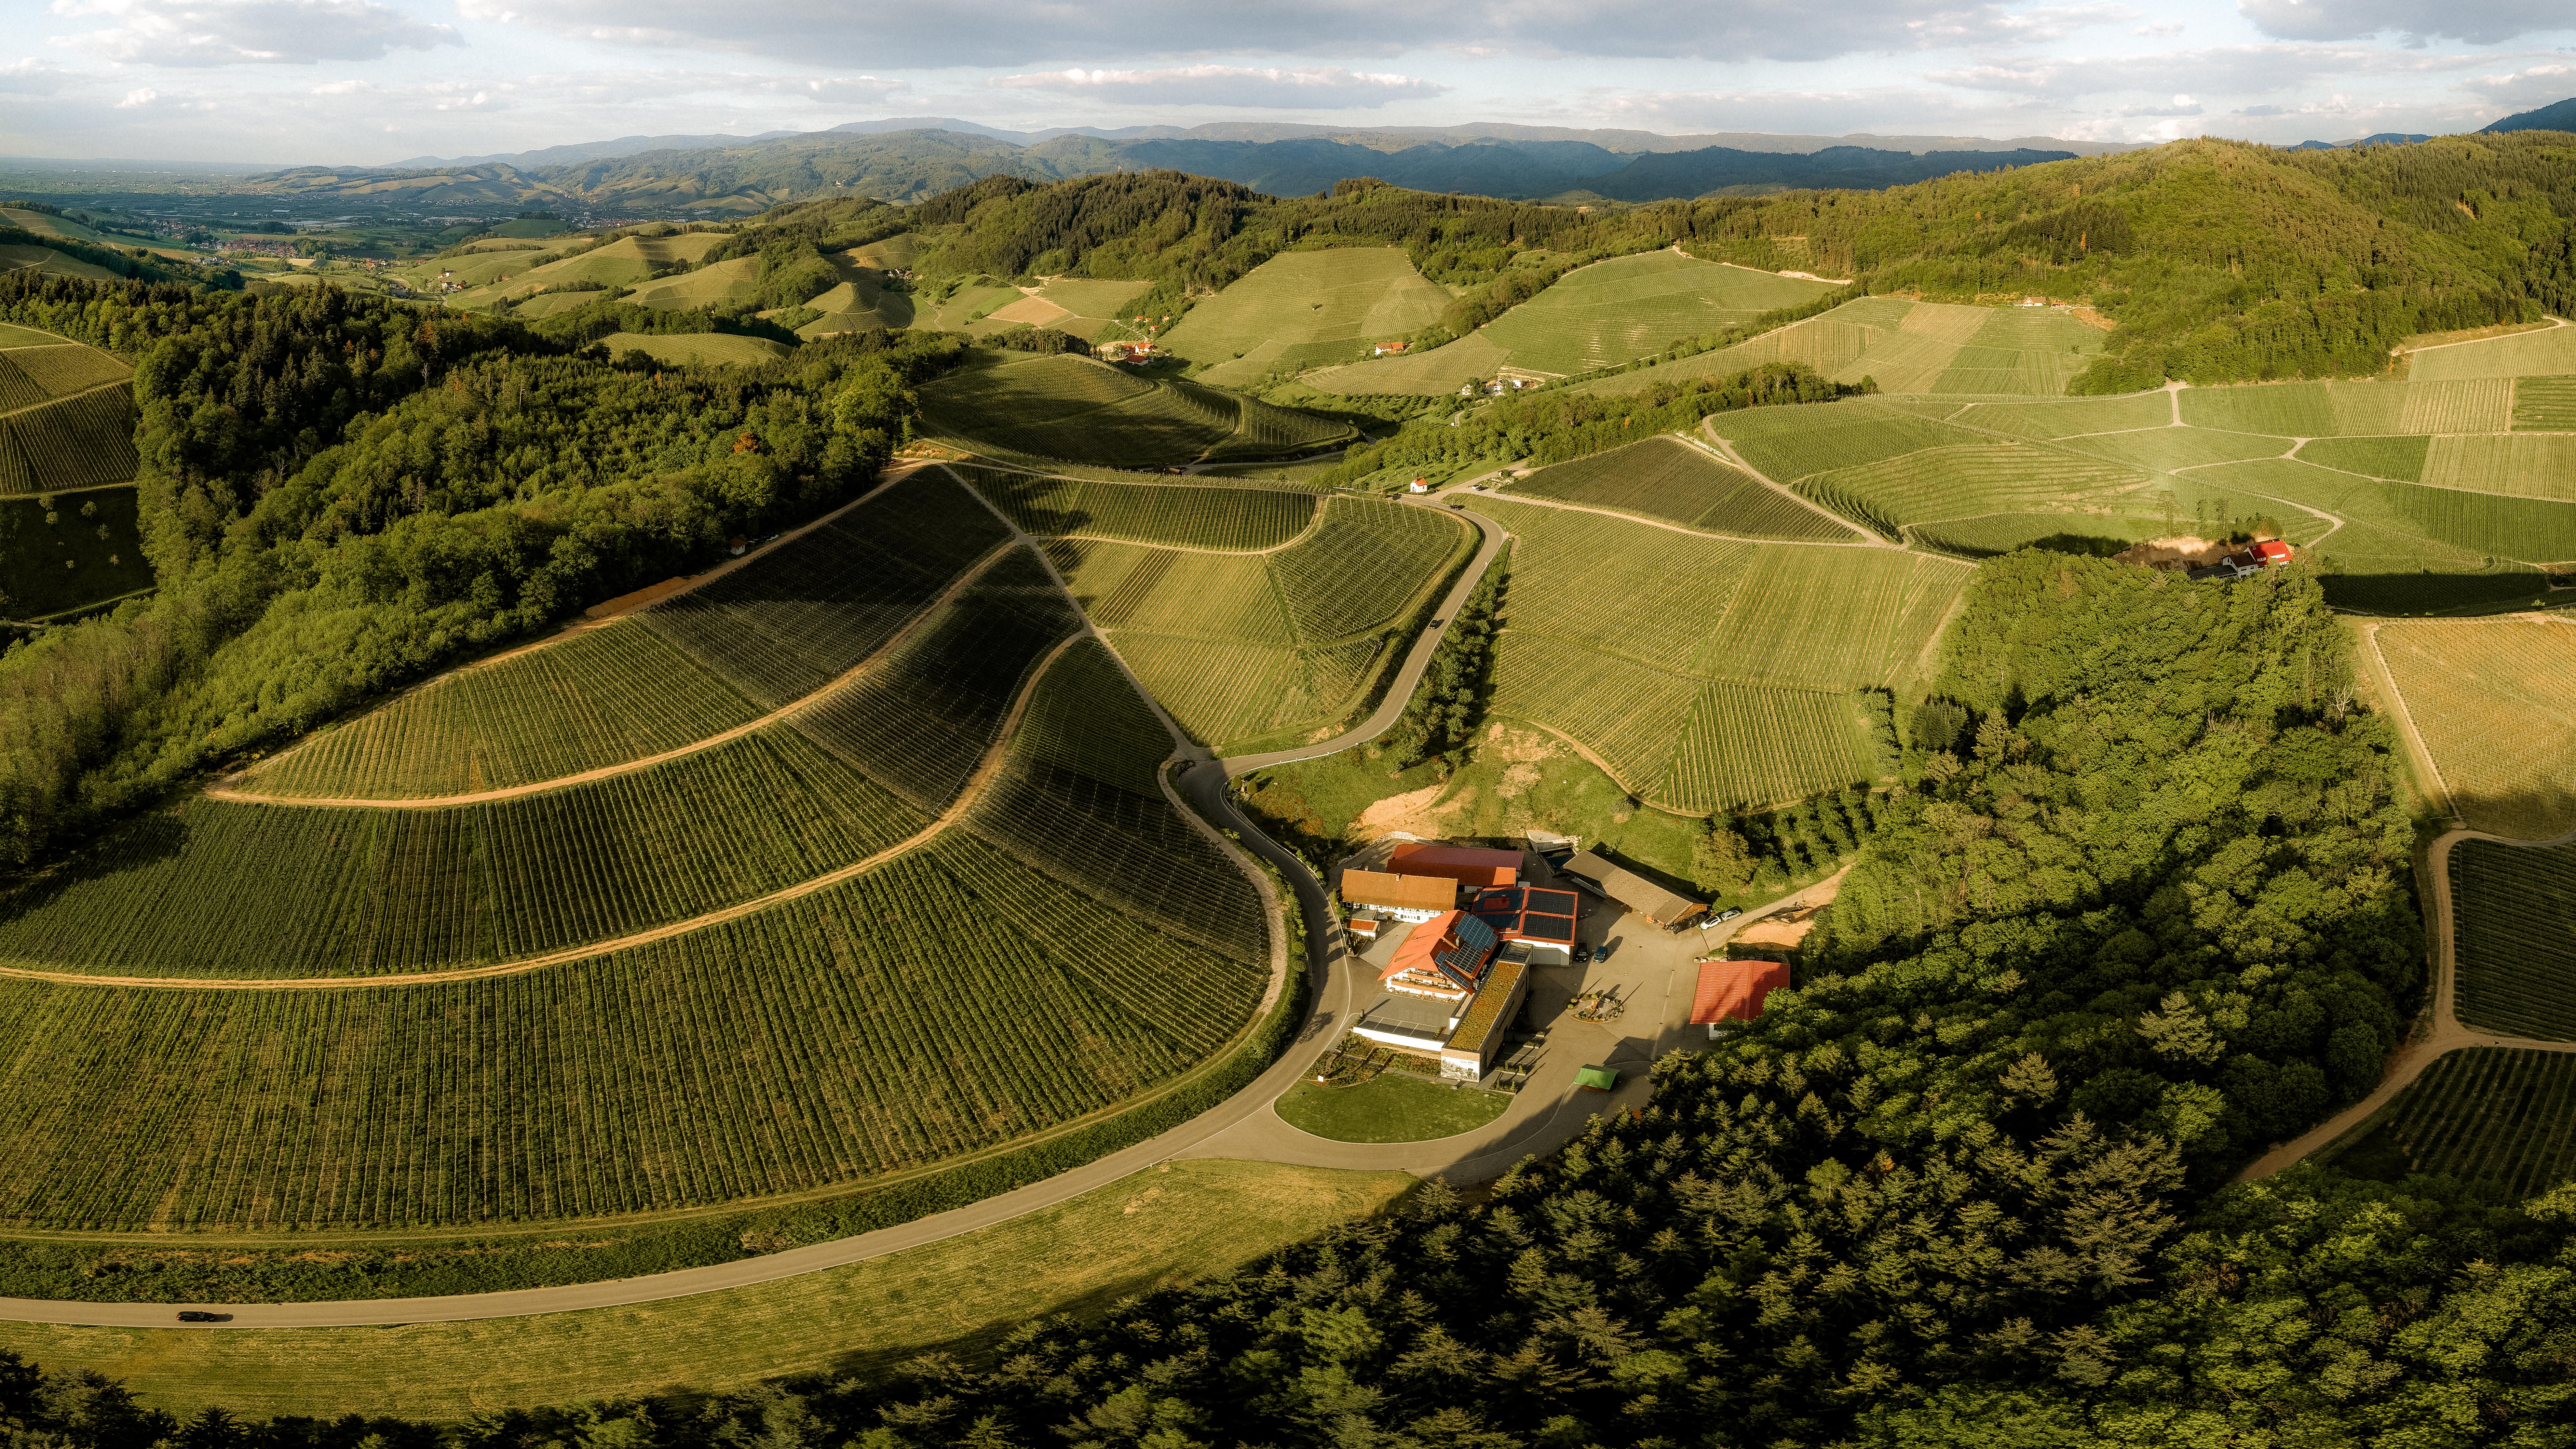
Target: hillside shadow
(2452, 594)
(132, 845)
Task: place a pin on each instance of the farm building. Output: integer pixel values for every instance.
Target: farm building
(1539, 919)
(1478, 1040)
(1399, 896)
(1450, 993)
(1632, 890)
(2244, 564)
(1731, 992)
(1467, 865)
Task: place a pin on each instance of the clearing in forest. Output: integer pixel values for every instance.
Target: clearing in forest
(694, 349)
(1302, 309)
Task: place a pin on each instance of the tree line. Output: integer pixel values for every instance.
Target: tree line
(2145, 910)
(342, 494)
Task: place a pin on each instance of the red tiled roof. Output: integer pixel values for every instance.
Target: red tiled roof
(1467, 864)
(1452, 946)
(1733, 990)
(1409, 892)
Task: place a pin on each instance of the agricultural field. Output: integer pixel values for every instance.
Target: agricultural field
(600, 698)
(714, 285)
(1240, 645)
(1304, 309)
(2525, 465)
(1724, 674)
(816, 606)
(2505, 1116)
(1988, 480)
(1084, 411)
(2513, 924)
(2547, 352)
(859, 303)
(957, 304)
(66, 419)
(1906, 347)
(630, 261)
(797, 1048)
(1178, 514)
(2494, 701)
(1669, 479)
(2544, 404)
(64, 552)
(1090, 308)
(46, 259)
(1603, 315)
(699, 349)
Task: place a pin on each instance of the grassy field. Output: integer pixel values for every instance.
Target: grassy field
(714, 285)
(2513, 922)
(1906, 347)
(2544, 404)
(65, 551)
(1718, 674)
(2499, 1115)
(627, 262)
(2494, 700)
(682, 349)
(1185, 515)
(1392, 1106)
(1304, 309)
(1084, 411)
(1669, 479)
(46, 259)
(1617, 311)
(1168, 1225)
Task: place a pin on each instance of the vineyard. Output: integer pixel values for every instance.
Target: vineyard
(1984, 478)
(813, 608)
(1184, 515)
(922, 720)
(33, 375)
(2401, 460)
(1723, 674)
(1629, 307)
(600, 698)
(694, 349)
(2544, 404)
(2527, 465)
(1089, 412)
(949, 1001)
(2505, 1116)
(2550, 352)
(1784, 444)
(2494, 701)
(1304, 308)
(1907, 347)
(2513, 924)
(83, 441)
(1669, 479)
(2067, 417)
(1237, 645)
(216, 888)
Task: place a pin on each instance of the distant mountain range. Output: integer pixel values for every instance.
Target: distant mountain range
(2559, 117)
(908, 158)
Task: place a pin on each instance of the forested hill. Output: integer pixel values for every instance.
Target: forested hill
(1961, 1188)
(341, 494)
(2217, 261)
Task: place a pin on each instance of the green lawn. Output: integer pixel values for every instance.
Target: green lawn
(1390, 1107)
(1179, 1221)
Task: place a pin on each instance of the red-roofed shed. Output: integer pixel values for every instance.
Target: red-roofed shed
(1732, 991)
(2271, 551)
(1468, 865)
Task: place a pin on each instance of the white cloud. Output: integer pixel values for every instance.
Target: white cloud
(838, 90)
(2480, 22)
(2179, 106)
(960, 33)
(238, 32)
(143, 96)
(31, 77)
(1318, 88)
(343, 88)
(2160, 30)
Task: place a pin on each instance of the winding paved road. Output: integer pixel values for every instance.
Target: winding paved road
(1537, 1123)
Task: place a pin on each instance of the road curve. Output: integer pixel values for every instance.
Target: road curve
(1205, 781)
(2447, 1034)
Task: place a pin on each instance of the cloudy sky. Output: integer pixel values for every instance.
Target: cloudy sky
(355, 81)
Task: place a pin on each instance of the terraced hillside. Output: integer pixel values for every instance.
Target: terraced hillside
(1303, 309)
(1069, 944)
(2408, 494)
(1250, 614)
(68, 534)
(1080, 411)
(1718, 673)
(1603, 315)
(1908, 347)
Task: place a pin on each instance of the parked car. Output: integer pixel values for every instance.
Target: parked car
(1601, 952)
(1725, 916)
(194, 1315)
